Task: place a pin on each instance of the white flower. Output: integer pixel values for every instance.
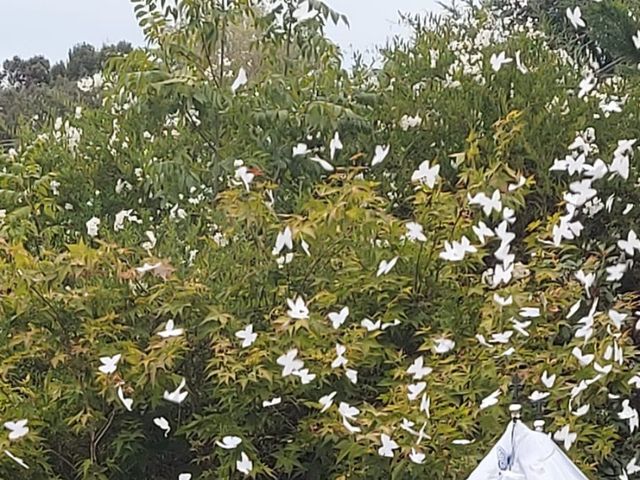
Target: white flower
(444, 345)
(73, 137)
(98, 80)
(417, 457)
(220, 239)
(456, 251)
(426, 174)
(490, 400)
(229, 442)
(151, 243)
(297, 309)
(192, 256)
(244, 465)
(163, 424)
(631, 414)
(497, 61)
(521, 67)
(415, 232)
(247, 335)
(407, 122)
(388, 446)
(170, 330)
(326, 401)
(575, 18)
(586, 85)
(177, 396)
(123, 215)
(536, 396)
(109, 364)
(92, 226)
(566, 436)
(245, 176)
(240, 80)
(177, 213)
(85, 84)
(18, 429)
(299, 150)
(122, 185)
(381, 152)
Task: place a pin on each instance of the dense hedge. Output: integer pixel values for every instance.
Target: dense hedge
(324, 242)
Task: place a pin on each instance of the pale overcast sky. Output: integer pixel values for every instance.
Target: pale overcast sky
(51, 27)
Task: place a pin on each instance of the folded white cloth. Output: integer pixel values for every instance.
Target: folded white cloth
(523, 454)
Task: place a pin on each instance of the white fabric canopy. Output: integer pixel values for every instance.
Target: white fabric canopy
(523, 454)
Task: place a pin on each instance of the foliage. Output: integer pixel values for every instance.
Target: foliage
(189, 183)
(85, 60)
(34, 71)
(33, 91)
(606, 38)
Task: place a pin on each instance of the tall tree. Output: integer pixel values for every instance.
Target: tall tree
(17, 72)
(34, 90)
(85, 60)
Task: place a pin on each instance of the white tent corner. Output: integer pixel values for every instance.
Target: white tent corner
(524, 454)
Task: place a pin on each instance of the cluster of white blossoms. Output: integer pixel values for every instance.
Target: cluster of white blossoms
(407, 122)
(591, 318)
(495, 226)
(68, 133)
(89, 84)
(497, 218)
(598, 326)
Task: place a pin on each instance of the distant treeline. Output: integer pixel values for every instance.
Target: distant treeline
(32, 89)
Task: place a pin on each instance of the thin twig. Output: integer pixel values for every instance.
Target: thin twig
(199, 131)
(415, 275)
(53, 311)
(289, 26)
(105, 428)
(92, 450)
(207, 53)
(64, 460)
(223, 34)
(222, 40)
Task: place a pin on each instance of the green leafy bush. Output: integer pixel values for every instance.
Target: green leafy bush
(162, 225)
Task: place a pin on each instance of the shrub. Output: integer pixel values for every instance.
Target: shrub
(183, 200)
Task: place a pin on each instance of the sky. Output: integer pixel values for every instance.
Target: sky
(51, 27)
(372, 22)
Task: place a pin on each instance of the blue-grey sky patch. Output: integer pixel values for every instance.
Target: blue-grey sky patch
(51, 27)
(372, 22)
